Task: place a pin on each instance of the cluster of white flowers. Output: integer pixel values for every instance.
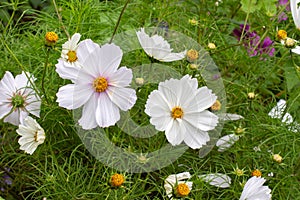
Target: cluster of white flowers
(176, 185)
(18, 99)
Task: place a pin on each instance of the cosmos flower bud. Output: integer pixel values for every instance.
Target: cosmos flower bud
(51, 39)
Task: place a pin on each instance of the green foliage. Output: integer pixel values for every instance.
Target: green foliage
(268, 6)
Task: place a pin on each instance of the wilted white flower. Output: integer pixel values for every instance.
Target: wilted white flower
(173, 181)
(229, 116)
(100, 87)
(17, 98)
(277, 112)
(179, 108)
(32, 135)
(226, 142)
(217, 179)
(158, 48)
(254, 190)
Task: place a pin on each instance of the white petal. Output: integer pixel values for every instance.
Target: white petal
(66, 70)
(229, 116)
(195, 138)
(295, 12)
(296, 50)
(124, 98)
(287, 118)
(110, 57)
(204, 120)
(107, 113)
(157, 47)
(33, 103)
(226, 142)
(13, 118)
(175, 132)
(278, 110)
(254, 187)
(156, 100)
(4, 109)
(204, 99)
(88, 118)
(121, 78)
(174, 57)
(74, 41)
(217, 179)
(161, 123)
(85, 47)
(8, 83)
(73, 96)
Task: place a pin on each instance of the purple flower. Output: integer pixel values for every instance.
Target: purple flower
(266, 47)
(252, 41)
(6, 179)
(283, 16)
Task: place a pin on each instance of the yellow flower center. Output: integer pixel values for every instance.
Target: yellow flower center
(282, 34)
(72, 57)
(117, 180)
(177, 112)
(100, 84)
(51, 37)
(216, 106)
(256, 173)
(182, 190)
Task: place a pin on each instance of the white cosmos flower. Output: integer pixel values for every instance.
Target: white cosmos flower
(277, 112)
(295, 12)
(100, 87)
(174, 179)
(72, 55)
(254, 190)
(158, 48)
(17, 98)
(217, 179)
(32, 135)
(179, 108)
(226, 142)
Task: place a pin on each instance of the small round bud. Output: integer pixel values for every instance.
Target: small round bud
(277, 158)
(290, 43)
(211, 45)
(193, 22)
(216, 106)
(117, 180)
(281, 34)
(139, 81)
(51, 38)
(192, 55)
(251, 95)
(256, 173)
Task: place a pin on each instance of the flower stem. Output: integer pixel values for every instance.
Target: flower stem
(118, 22)
(60, 19)
(22, 68)
(44, 74)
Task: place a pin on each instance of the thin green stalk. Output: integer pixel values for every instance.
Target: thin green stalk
(44, 74)
(118, 22)
(60, 19)
(22, 68)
